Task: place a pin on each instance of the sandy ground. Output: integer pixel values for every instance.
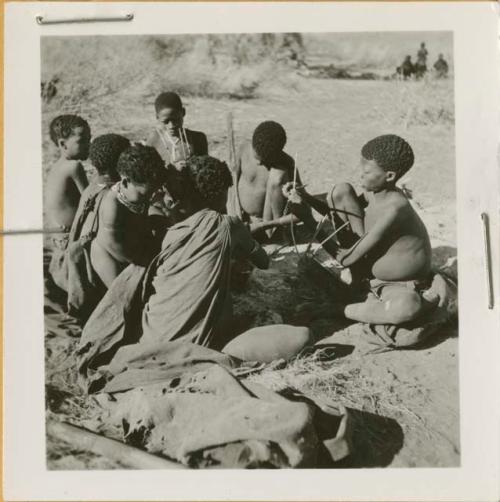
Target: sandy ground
(406, 403)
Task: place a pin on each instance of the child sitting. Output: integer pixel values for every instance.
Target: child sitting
(393, 248)
(66, 270)
(173, 142)
(124, 235)
(262, 169)
(66, 179)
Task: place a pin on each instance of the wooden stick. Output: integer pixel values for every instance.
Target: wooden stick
(330, 236)
(186, 143)
(182, 143)
(82, 439)
(232, 146)
(316, 232)
(295, 171)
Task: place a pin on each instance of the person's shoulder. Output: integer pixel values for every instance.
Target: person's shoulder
(284, 166)
(56, 169)
(199, 141)
(65, 167)
(245, 153)
(152, 138)
(196, 135)
(287, 161)
(72, 167)
(397, 201)
(282, 171)
(245, 149)
(111, 210)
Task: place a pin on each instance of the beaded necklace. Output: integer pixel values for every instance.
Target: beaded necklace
(135, 207)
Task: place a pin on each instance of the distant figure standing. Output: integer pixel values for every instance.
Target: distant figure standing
(441, 67)
(421, 65)
(407, 68)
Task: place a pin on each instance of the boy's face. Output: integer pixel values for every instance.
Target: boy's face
(76, 147)
(373, 177)
(171, 119)
(139, 193)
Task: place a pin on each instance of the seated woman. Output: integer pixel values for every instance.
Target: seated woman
(184, 294)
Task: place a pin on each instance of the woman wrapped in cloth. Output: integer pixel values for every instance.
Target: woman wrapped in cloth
(158, 349)
(184, 295)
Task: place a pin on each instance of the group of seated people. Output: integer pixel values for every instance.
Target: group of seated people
(183, 216)
(407, 69)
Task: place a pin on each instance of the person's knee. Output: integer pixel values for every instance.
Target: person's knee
(341, 192)
(404, 308)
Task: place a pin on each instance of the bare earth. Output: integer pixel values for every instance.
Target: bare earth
(407, 402)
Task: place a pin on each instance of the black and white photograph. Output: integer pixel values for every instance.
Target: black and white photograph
(250, 253)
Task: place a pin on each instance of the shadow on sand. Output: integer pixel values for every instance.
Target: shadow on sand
(375, 440)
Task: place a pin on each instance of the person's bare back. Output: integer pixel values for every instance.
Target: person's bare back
(405, 253)
(65, 182)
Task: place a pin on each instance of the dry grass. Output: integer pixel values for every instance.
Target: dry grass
(324, 379)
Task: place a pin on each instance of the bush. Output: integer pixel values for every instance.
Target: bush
(88, 68)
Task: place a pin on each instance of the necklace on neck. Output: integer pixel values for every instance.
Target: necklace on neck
(134, 207)
(172, 144)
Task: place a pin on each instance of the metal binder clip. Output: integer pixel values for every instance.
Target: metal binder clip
(42, 20)
(487, 258)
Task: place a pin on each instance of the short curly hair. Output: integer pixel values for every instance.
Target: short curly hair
(142, 164)
(269, 139)
(105, 150)
(63, 126)
(209, 177)
(168, 100)
(391, 152)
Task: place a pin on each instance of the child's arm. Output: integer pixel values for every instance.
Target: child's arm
(274, 204)
(317, 204)
(373, 237)
(248, 247)
(79, 177)
(278, 222)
